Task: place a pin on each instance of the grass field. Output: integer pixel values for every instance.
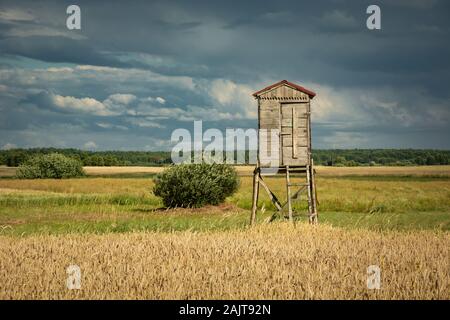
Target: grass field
(247, 170)
(117, 231)
(121, 205)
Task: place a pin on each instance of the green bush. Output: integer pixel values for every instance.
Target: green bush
(51, 166)
(196, 185)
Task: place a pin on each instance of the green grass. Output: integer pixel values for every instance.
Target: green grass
(104, 205)
(389, 221)
(78, 200)
(133, 223)
(402, 178)
(171, 222)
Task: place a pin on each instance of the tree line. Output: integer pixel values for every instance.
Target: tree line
(338, 157)
(385, 157)
(15, 157)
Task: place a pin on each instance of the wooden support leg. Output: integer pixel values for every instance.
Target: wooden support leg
(288, 187)
(310, 186)
(255, 196)
(314, 217)
(308, 179)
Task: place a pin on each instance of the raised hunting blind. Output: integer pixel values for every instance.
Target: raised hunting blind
(284, 144)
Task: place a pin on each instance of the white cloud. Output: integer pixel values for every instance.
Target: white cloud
(122, 98)
(60, 69)
(13, 14)
(119, 103)
(207, 113)
(401, 107)
(189, 114)
(144, 122)
(85, 105)
(234, 97)
(228, 100)
(115, 104)
(105, 125)
(111, 74)
(160, 100)
(145, 111)
(90, 145)
(95, 68)
(9, 146)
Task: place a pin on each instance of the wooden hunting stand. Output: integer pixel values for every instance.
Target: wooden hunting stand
(284, 144)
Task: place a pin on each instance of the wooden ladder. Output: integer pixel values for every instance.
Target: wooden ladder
(310, 186)
(312, 193)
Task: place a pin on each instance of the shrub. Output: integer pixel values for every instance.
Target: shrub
(196, 185)
(53, 166)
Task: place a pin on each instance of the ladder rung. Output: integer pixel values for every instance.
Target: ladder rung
(300, 170)
(297, 184)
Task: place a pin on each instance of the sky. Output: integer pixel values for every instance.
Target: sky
(138, 70)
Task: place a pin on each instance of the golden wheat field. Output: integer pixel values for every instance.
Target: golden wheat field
(277, 261)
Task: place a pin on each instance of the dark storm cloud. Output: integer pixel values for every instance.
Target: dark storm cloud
(204, 58)
(56, 49)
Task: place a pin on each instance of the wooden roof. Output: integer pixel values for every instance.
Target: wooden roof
(310, 93)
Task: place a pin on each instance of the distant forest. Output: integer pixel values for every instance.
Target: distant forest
(339, 157)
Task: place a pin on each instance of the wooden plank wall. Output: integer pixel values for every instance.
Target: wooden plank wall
(276, 112)
(269, 119)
